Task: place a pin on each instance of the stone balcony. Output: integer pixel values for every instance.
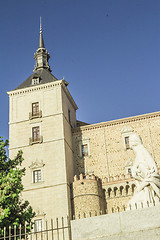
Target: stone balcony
(35, 140)
(35, 115)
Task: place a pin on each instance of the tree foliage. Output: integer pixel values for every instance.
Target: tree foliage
(13, 210)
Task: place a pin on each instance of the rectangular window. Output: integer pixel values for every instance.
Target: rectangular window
(85, 150)
(130, 172)
(69, 116)
(35, 109)
(127, 142)
(38, 225)
(35, 134)
(35, 81)
(37, 176)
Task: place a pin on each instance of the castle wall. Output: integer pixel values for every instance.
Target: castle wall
(88, 197)
(118, 192)
(108, 157)
(107, 154)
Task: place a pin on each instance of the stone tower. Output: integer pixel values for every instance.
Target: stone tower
(87, 197)
(42, 113)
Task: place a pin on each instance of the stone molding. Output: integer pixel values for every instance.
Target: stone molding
(44, 86)
(69, 95)
(116, 122)
(34, 88)
(37, 164)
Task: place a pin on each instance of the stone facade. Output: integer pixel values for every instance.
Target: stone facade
(51, 155)
(108, 157)
(72, 168)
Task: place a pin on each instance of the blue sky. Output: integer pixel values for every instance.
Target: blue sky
(108, 51)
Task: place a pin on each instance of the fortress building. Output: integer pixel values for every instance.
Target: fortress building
(72, 168)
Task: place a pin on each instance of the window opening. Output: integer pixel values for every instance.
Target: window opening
(38, 225)
(85, 150)
(127, 142)
(130, 171)
(35, 109)
(35, 81)
(35, 134)
(69, 116)
(37, 176)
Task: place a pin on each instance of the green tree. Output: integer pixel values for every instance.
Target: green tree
(13, 211)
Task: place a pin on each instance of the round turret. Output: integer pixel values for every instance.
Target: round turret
(88, 198)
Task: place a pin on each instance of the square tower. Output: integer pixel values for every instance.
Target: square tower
(42, 113)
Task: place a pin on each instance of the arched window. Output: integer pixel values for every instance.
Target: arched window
(115, 191)
(121, 190)
(109, 192)
(127, 189)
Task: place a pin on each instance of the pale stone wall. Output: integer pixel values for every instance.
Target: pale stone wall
(143, 224)
(108, 157)
(118, 192)
(107, 154)
(50, 197)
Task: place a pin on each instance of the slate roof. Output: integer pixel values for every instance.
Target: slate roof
(43, 74)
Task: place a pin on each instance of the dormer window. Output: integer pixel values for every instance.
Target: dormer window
(35, 81)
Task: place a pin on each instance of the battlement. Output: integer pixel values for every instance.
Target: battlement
(119, 186)
(88, 195)
(118, 179)
(87, 177)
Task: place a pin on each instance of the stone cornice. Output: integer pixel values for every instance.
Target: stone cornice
(116, 122)
(44, 86)
(69, 95)
(35, 88)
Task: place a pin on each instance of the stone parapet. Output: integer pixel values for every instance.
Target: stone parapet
(143, 224)
(118, 191)
(117, 179)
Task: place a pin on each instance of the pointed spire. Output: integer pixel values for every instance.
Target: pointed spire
(41, 42)
(41, 56)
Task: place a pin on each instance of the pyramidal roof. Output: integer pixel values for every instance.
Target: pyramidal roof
(43, 76)
(42, 73)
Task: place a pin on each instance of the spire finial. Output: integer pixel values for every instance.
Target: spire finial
(41, 56)
(40, 24)
(41, 42)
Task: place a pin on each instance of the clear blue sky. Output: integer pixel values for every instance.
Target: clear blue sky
(108, 51)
